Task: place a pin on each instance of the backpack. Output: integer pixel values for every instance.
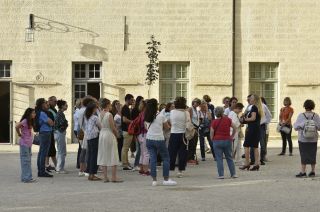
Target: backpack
(310, 128)
(37, 125)
(134, 127)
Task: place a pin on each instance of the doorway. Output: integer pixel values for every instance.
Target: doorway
(5, 112)
(93, 89)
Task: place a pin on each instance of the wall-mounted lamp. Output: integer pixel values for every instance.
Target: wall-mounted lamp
(29, 34)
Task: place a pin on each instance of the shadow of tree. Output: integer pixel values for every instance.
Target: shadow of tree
(93, 52)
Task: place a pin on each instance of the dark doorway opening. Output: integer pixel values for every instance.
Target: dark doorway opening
(93, 89)
(4, 112)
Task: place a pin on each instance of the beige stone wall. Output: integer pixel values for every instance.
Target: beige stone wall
(280, 31)
(195, 31)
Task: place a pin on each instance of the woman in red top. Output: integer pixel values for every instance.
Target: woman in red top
(222, 141)
(285, 120)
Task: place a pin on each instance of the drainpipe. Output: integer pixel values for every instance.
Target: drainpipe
(233, 45)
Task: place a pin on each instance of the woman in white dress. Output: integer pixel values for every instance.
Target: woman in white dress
(108, 148)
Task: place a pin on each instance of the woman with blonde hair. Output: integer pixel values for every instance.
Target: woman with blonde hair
(253, 134)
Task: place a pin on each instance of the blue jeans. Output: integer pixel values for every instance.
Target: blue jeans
(177, 147)
(45, 141)
(25, 158)
(60, 138)
(92, 166)
(138, 152)
(220, 148)
(154, 147)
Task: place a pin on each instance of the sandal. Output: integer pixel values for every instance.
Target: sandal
(94, 178)
(117, 181)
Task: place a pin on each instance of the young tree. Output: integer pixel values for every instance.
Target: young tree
(153, 66)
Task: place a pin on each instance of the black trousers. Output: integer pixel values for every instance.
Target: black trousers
(93, 155)
(286, 137)
(192, 147)
(177, 147)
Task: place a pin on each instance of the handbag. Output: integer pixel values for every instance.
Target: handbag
(285, 129)
(190, 131)
(36, 139)
(81, 132)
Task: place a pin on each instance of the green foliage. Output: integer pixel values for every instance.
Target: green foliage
(153, 66)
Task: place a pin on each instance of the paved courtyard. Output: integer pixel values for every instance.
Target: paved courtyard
(274, 188)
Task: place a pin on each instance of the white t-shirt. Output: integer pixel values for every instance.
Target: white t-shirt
(226, 111)
(76, 119)
(155, 131)
(178, 120)
(235, 120)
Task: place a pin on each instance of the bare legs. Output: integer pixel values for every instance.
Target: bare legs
(114, 177)
(247, 155)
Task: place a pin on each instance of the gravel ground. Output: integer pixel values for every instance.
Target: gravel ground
(273, 188)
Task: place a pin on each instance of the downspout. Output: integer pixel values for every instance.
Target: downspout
(233, 46)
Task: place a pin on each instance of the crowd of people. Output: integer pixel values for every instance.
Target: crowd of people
(160, 135)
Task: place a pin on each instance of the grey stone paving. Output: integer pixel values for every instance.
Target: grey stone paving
(274, 188)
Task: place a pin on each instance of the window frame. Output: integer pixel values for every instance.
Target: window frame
(262, 81)
(4, 63)
(87, 71)
(174, 80)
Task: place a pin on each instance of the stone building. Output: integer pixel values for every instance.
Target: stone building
(216, 47)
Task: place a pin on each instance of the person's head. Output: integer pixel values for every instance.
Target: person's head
(207, 98)
(256, 100)
(248, 98)
(91, 109)
(162, 106)
(129, 99)
(204, 105)
(233, 101)
(116, 107)
(238, 108)
(196, 102)
(219, 111)
(42, 104)
(226, 101)
(142, 105)
(180, 103)
(52, 101)
(78, 103)
(62, 105)
(263, 100)
(29, 115)
(287, 101)
(151, 110)
(137, 102)
(105, 104)
(100, 102)
(86, 100)
(309, 105)
(169, 107)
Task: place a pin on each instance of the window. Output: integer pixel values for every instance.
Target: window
(80, 91)
(5, 69)
(87, 70)
(263, 82)
(173, 81)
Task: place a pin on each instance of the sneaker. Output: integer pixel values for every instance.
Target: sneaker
(128, 168)
(81, 174)
(30, 181)
(137, 168)
(169, 183)
(179, 175)
(282, 153)
(221, 177)
(86, 174)
(262, 163)
(51, 168)
(48, 170)
(62, 172)
(312, 174)
(45, 175)
(154, 183)
(300, 175)
(234, 176)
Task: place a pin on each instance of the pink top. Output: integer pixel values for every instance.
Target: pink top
(26, 134)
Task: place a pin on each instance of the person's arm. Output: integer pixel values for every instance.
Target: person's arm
(299, 124)
(234, 130)
(267, 114)
(98, 123)
(113, 127)
(289, 118)
(50, 122)
(209, 116)
(211, 132)
(18, 128)
(166, 125)
(252, 118)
